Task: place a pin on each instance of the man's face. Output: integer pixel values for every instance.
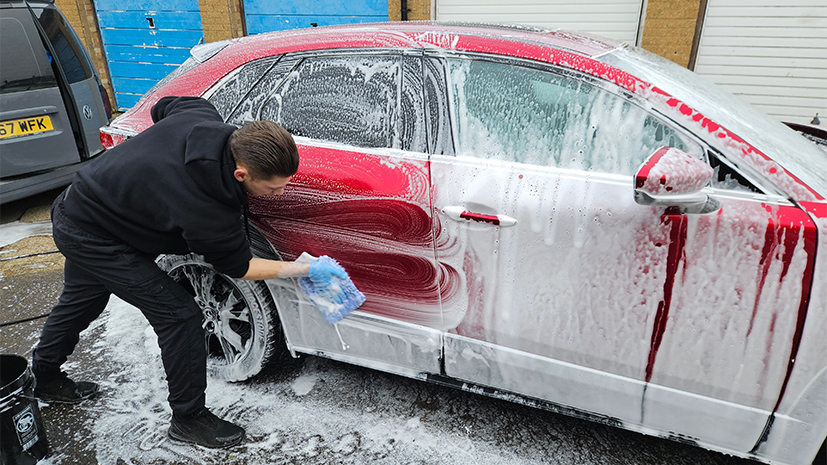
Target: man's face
(259, 187)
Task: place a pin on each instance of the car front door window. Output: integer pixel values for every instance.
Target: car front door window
(521, 114)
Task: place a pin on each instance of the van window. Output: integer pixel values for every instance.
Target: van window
(66, 45)
(30, 69)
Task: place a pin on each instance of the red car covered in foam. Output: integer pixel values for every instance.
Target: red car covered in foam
(540, 216)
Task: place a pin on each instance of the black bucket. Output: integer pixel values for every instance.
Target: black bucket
(21, 426)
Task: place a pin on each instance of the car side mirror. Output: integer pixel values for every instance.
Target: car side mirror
(672, 178)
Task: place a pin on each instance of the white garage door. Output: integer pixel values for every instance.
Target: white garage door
(770, 53)
(617, 19)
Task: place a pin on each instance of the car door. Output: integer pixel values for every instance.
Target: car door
(80, 75)
(361, 196)
(575, 294)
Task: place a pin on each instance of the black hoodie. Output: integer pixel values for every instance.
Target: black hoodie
(169, 189)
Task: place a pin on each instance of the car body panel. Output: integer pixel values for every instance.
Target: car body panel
(372, 213)
(41, 151)
(708, 328)
(594, 284)
(92, 113)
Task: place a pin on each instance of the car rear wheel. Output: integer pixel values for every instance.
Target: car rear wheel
(241, 326)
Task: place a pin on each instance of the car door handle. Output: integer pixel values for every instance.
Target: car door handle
(459, 213)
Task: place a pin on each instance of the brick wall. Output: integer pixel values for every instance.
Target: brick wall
(669, 28)
(221, 19)
(418, 10)
(82, 17)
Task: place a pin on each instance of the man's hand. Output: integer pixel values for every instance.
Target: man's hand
(261, 268)
(321, 273)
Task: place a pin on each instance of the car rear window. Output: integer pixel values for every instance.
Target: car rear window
(25, 64)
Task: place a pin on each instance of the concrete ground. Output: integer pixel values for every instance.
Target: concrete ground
(304, 411)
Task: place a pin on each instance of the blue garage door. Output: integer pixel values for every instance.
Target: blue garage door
(145, 40)
(266, 15)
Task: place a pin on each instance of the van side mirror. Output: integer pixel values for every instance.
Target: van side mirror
(672, 178)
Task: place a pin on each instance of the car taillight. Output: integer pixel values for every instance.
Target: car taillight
(111, 140)
(107, 105)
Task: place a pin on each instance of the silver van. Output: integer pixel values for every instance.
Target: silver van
(52, 103)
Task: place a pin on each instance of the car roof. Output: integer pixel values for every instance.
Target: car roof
(422, 34)
(22, 3)
(579, 51)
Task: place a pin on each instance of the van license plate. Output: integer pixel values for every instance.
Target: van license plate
(25, 126)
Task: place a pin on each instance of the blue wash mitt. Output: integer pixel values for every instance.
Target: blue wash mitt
(323, 297)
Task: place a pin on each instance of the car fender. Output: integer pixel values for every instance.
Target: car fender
(796, 436)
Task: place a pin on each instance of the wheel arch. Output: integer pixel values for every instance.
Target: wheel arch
(282, 291)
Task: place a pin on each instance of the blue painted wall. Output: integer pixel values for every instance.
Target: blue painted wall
(269, 15)
(145, 40)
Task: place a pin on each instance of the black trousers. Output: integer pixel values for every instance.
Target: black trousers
(97, 267)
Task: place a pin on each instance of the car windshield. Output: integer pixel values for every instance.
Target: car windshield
(795, 153)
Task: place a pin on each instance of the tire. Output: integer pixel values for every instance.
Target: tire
(241, 325)
(821, 457)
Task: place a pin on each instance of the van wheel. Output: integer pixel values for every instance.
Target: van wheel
(241, 325)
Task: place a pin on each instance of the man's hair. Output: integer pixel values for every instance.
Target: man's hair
(265, 149)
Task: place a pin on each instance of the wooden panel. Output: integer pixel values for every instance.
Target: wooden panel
(257, 24)
(146, 5)
(266, 16)
(132, 85)
(190, 20)
(318, 8)
(166, 55)
(126, 100)
(150, 38)
(140, 70)
(769, 53)
(617, 19)
(145, 40)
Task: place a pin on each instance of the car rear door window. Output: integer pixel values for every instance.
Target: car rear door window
(351, 99)
(30, 68)
(67, 46)
(235, 87)
(516, 113)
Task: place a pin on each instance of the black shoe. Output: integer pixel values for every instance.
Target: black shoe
(62, 390)
(206, 429)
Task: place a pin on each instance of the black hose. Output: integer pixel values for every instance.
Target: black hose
(29, 255)
(9, 323)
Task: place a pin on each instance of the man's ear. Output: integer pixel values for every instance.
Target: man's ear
(241, 173)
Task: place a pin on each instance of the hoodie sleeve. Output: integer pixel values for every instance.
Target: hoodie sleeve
(229, 255)
(169, 106)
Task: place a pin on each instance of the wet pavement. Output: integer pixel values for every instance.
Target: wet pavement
(304, 411)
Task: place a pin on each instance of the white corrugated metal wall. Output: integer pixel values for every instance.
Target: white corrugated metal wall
(617, 19)
(770, 54)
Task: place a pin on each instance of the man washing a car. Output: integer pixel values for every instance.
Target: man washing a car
(180, 186)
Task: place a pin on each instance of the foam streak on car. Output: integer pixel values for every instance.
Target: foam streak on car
(539, 216)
